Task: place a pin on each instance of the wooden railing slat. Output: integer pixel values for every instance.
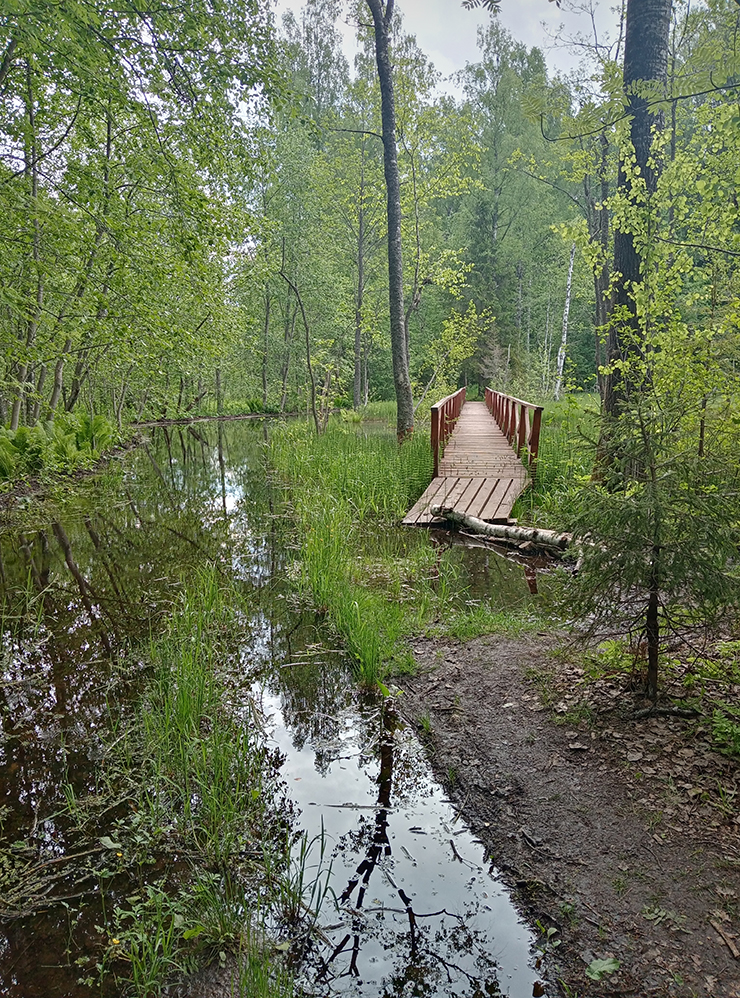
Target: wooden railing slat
(443, 417)
(520, 422)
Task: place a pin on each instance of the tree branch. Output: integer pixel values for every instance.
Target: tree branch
(702, 246)
(7, 59)
(629, 113)
(356, 131)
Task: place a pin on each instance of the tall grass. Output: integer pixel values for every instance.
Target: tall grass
(566, 456)
(205, 804)
(206, 765)
(377, 585)
(349, 464)
(343, 486)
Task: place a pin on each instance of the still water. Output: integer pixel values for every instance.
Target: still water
(411, 906)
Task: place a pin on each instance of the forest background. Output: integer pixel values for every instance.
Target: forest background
(194, 211)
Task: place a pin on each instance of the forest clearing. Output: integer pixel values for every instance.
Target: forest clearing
(369, 508)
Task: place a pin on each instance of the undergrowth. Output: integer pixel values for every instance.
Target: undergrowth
(69, 441)
(376, 583)
(567, 450)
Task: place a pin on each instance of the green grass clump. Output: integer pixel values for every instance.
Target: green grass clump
(366, 471)
(204, 789)
(481, 618)
(567, 451)
(376, 583)
(726, 731)
(205, 763)
(342, 486)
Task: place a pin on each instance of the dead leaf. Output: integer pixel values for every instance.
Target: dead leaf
(538, 990)
(578, 746)
(634, 756)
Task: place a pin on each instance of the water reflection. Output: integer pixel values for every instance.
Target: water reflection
(418, 912)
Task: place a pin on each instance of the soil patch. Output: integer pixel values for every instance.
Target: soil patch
(622, 835)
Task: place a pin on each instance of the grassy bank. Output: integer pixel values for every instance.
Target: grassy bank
(377, 584)
(201, 857)
(566, 456)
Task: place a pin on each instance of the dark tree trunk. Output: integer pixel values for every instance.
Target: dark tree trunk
(645, 60)
(382, 16)
(652, 630)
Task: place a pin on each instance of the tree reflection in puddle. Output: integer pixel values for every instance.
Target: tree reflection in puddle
(417, 911)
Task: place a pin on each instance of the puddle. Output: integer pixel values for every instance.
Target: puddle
(418, 911)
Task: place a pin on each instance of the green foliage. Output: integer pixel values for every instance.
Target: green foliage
(660, 529)
(597, 970)
(68, 442)
(376, 584)
(204, 789)
(340, 485)
(481, 618)
(726, 730)
(565, 461)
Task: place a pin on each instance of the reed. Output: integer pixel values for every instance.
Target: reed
(377, 584)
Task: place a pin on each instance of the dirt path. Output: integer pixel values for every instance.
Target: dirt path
(623, 835)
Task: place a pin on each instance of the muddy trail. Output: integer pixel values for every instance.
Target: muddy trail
(411, 901)
(620, 837)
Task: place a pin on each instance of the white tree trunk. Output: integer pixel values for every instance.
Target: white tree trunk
(566, 311)
(505, 531)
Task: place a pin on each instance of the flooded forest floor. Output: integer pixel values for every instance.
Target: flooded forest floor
(242, 712)
(621, 835)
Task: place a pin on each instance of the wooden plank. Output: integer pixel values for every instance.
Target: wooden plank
(423, 503)
(479, 473)
(496, 501)
(469, 495)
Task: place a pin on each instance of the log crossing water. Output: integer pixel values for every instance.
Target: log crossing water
(485, 455)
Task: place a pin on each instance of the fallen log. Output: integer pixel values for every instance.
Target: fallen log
(504, 531)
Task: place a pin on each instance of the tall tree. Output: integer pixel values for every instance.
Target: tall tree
(382, 14)
(647, 30)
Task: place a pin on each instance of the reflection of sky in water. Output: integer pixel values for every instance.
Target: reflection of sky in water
(416, 851)
(190, 498)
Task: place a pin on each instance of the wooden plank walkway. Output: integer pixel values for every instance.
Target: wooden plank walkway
(479, 473)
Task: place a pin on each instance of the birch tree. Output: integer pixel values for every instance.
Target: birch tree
(564, 338)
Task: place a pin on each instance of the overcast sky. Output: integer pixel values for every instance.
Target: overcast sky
(447, 33)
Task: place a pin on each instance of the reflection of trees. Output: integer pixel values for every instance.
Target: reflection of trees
(88, 583)
(427, 954)
(77, 588)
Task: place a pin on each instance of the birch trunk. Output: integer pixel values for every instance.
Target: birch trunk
(566, 313)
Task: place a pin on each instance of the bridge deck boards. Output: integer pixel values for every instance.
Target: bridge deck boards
(479, 473)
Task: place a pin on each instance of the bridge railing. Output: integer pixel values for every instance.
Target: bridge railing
(520, 423)
(443, 417)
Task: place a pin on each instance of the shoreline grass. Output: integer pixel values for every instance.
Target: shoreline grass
(205, 850)
(377, 584)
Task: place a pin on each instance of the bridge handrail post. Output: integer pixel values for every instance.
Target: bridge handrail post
(434, 424)
(442, 418)
(534, 441)
(521, 438)
(520, 422)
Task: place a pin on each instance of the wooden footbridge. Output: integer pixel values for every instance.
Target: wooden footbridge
(485, 455)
